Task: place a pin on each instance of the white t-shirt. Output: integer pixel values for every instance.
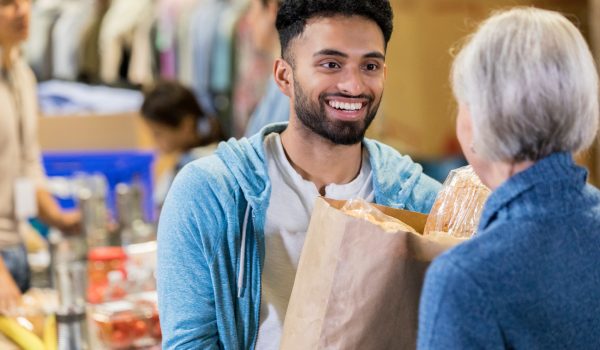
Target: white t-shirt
(291, 204)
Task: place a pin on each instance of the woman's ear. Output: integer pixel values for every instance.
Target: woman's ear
(283, 75)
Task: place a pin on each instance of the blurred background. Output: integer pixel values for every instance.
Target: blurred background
(113, 134)
(93, 57)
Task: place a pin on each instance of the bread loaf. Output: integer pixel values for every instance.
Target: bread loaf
(458, 206)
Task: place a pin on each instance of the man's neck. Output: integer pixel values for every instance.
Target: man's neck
(319, 160)
(6, 57)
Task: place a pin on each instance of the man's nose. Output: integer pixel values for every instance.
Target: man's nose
(351, 82)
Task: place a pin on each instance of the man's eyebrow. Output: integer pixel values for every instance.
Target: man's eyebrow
(375, 54)
(330, 52)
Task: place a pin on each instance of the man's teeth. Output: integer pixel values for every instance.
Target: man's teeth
(345, 105)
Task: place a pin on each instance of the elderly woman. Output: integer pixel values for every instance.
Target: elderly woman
(527, 91)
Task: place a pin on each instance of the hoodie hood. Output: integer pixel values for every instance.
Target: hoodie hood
(397, 179)
(245, 159)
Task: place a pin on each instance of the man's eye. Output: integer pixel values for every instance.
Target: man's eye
(372, 66)
(331, 65)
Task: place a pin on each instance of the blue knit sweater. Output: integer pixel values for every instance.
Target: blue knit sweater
(530, 279)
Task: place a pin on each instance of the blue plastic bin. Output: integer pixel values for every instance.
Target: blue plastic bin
(116, 166)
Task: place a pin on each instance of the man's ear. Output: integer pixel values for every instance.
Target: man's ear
(284, 78)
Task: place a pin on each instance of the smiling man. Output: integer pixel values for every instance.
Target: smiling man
(233, 225)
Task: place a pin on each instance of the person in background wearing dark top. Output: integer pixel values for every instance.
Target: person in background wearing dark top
(233, 225)
(22, 178)
(527, 91)
(178, 125)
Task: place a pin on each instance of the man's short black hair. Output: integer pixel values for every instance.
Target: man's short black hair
(169, 102)
(293, 15)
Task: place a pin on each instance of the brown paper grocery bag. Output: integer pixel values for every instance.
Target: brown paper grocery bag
(357, 286)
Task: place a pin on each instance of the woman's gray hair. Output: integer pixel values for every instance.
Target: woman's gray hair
(529, 81)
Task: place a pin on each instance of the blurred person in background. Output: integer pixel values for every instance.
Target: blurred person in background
(274, 106)
(527, 91)
(178, 126)
(22, 178)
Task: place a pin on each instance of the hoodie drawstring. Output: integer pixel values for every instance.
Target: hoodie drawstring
(243, 253)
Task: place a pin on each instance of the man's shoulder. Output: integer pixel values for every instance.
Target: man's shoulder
(400, 181)
(385, 156)
(197, 203)
(207, 178)
(206, 172)
(379, 146)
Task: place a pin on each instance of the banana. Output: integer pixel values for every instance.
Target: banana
(50, 337)
(19, 335)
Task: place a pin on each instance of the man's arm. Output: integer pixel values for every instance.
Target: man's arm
(189, 217)
(454, 312)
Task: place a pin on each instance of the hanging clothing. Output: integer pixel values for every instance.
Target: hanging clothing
(222, 62)
(38, 47)
(127, 24)
(204, 28)
(169, 13)
(252, 72)
(89, 55)
(184, 50)
(222, 55)
(67, 36)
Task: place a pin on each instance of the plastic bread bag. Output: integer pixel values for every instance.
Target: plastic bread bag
(361, 209)
(457, 208)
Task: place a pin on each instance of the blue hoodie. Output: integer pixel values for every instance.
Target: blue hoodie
(211, 245)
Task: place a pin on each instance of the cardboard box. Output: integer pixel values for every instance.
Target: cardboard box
(100, 132)
(94, 132)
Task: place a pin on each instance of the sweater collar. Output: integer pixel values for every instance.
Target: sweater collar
(556, 167)
(394, 175)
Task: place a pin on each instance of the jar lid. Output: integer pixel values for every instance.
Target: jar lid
(107, 253)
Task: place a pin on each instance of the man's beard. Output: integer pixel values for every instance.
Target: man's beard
(339, 132)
